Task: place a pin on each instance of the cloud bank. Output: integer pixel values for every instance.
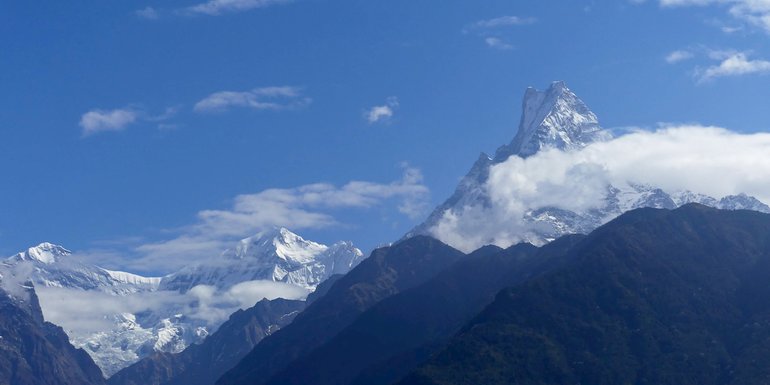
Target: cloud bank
(706, 160)
(92, 311)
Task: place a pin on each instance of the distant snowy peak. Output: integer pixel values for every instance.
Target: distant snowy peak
(51, 267)
(280, 242)
(278, 255)
(554, 118)
(742, 202)
(46, 253)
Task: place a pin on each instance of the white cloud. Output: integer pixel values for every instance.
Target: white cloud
(383, 112)
(265, 98)
(734, 64)
(754, 12)
(496, 42)
(491, 29)
(148, 13)
(673, 158)
(306, 207)
(218, 7)
(503, 21)
(678, 56)
(92, 311)
(96, 121)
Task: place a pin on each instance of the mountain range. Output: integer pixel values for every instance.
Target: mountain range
(32, 351)
(277, 255)
(650, 287)
(555, 119)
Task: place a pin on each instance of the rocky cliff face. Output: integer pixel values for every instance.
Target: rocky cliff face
(35, 352)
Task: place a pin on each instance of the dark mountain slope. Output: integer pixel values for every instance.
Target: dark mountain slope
(654, 297)
(203, 364)
(386, 272)
(35, 352)
(394, 336)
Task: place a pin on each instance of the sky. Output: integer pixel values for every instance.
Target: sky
(161, 131)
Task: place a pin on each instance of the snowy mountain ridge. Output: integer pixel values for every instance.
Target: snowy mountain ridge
(553, 119)
(276, 255)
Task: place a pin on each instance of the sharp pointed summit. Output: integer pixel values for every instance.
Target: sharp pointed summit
(554, 118)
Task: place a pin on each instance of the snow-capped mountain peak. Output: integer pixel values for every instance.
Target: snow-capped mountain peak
(554, 118)
(46, 253)
(277, 255)
(285, 244)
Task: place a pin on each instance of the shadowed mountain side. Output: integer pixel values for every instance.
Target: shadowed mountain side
(386, 272)
(654, 297)
(35, 352)
(203, 364)
(394, 336)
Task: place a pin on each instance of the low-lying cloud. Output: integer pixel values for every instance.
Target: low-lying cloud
(93, 311)
(706, 160)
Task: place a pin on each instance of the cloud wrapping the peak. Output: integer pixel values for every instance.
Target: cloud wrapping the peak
(671, 158)
(265, 98)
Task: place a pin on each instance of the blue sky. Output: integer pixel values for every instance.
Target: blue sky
(129, 125)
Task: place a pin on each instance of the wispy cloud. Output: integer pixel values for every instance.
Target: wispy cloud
(148, 13)
(310, 206)
(753, 12)
(719, 63)
(735, 64)
(382, 113)
(493, 30)
(97, 121)
(678, 56)
(265, 98)
(497, 43)
(218, 7)
(498, 22)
